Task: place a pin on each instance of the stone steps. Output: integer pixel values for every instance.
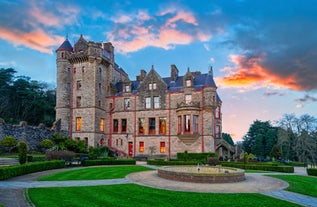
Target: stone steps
(9, 161)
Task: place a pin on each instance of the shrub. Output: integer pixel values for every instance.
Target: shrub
(46, 143)
(213, 161)
(17, 170)
(195, 156)
(22, 152)
(9, 142)
(60, 155)
(312, 171)
(109, 161)
(162, 162)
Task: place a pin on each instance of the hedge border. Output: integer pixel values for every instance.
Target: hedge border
(312, 171)
(108, 162)
(163, 162)
(17, 170)
(280, 168)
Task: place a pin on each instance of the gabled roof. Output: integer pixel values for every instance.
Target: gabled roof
(200, 81)
(66, 46)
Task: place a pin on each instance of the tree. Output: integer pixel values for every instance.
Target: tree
(260, 139)
(9, 142)
(298, 137)
(228, 138)
(23, 99)
(276, 152)
(22, 152)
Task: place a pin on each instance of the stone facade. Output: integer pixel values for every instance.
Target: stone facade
(151, 116)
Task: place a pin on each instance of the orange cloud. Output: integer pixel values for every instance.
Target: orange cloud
(248, 73)
(184, 16)
(37, 40)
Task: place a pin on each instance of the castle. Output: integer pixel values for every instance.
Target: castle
(97, 102)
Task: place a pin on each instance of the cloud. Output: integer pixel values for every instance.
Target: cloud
(248, 71)
(307, 98)
(34, 23)
(283, 34)
(166, 29)
(37, 39)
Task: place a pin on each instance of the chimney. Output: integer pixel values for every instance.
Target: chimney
(141, 76)
(174, 72)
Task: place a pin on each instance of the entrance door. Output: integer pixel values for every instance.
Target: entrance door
(130, 149)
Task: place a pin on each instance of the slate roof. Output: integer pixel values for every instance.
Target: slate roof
(65, 46)
(200, 81)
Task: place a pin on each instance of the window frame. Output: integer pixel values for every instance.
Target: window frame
(79, 121)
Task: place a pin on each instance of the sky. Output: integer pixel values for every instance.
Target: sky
(263, 52)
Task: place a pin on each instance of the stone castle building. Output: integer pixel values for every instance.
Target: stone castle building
(97, 102)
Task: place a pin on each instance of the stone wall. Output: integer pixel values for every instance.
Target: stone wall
(32, 135)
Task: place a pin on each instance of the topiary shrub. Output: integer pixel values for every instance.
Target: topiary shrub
(22, 153)
(213, 161)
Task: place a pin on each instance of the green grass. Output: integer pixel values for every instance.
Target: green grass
(300, 184)
(127, 195)
(95, 173)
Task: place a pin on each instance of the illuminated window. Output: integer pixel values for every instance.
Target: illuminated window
(78, 84)
(152, 86)
(148, 102)
(179, 124)
(162, 147)
(141, 146)
(115, 125)
(188, 98)
(162, 125)
(78, 101)
(102, 125)
(156, 102)
(187, 123)
(126, 103)
(78, 123)
(195, 124)
(141, 126)
(151, 125)
(188, 83)
(123, 125)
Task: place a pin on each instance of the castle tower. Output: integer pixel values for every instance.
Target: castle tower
(63, 84)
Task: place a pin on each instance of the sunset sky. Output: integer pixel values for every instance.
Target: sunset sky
(263, 52)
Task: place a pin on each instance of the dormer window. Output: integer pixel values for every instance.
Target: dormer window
(126, 88)
(188, 83)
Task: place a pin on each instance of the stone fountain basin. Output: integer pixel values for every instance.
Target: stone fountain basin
(205, 174)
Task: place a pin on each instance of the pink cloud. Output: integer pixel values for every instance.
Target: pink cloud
(182, 16)
(37, 39)
(44, 17)
(140, 33)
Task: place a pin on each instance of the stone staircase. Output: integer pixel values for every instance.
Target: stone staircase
(9, 161)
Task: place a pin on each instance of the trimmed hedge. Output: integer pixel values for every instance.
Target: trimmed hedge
(108, 162)
(163, 162)
(17, 170)
(312, 171)
(195, 156)
(280, 168)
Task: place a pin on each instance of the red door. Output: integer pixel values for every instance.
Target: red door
(130, 149)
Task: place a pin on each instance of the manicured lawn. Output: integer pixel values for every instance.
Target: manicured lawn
(300, 184)
(127, 195)
(95, 173)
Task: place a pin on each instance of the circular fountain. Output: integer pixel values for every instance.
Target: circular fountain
(201, 174)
